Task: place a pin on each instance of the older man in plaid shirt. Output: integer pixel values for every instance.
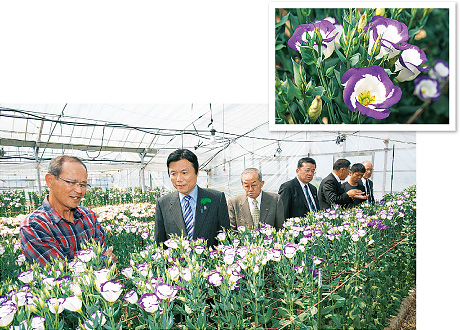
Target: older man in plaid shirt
(58, 227)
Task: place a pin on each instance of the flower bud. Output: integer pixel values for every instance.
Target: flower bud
(362, 22)
(319, 38)
(376, 46)
(380, 11)
(315, 108)
(420, 35)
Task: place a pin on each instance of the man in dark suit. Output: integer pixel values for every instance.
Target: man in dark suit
(299, 196)
(368, 184)
(192, 211)
(256, 207)
(354, 182)
(331, 190)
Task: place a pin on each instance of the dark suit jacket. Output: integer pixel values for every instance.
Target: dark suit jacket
(210, 218)
(332, 192)
(371, 198)
(294, 201)
(271, 211)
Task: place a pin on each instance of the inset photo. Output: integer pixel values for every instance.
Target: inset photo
(375, 68)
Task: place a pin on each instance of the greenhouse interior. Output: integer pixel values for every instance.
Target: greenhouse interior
(335, 268)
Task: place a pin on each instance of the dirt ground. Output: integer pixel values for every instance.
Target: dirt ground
(406, 318)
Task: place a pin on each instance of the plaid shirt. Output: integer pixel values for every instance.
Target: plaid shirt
(45, 234)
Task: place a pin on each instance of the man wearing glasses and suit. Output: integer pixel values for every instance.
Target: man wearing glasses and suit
(256, 207)
(59, 226)
(299, 196)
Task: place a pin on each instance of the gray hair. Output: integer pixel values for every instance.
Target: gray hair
(252, 170)
(55, 167)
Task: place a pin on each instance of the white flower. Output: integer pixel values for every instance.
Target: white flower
(128, 272)
(131, 296)
(73, 303)
(7, 312)
(56, 305)
(111, 290)
(26, 276)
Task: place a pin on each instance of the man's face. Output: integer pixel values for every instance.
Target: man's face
(369, 170)
(355, 177)
(65, 194)
(251, 184)
(183, 176)
(343, 173)
(306, 172)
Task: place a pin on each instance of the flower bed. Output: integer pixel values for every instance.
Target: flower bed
(333, 269)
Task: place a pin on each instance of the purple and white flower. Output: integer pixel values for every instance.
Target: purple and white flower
(143, 268)
(370, 91)
(199, 249)
(128, 272)
(326, 29)
(439, 70)
(290, 250)
(427, 88)
(317, 260)
(186, 274)
(131, 296)
(77, 266)
(56, 305)
(150, 302)
(409, 63)
(173, 272)
(85, 255)
(7, 312)
(171, 243)
(111, 290)
(386, 36)
(215, 278)
(166, 291)
(26, 276)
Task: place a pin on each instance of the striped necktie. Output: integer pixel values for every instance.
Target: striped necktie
(310, 202)
(188, 216)
(255, 214)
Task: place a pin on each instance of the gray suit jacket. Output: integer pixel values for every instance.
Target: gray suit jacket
(271, 211)
(210, 218)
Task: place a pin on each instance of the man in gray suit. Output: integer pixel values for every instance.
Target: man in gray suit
(256, 207)
(192, 211)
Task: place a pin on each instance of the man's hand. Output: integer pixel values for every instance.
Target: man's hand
(356, 193)
(109, 252)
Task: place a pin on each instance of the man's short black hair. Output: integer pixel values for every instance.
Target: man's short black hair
(358, 168)
(179, 154)
(341, 163)
(305, 160)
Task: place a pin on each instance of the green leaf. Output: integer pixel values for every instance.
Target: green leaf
(330, 71)
(279, 46)
(339, 54)
(354, 59)
(282, 21)
(307, 55)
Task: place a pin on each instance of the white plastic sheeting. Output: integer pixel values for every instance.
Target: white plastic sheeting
(113, 139)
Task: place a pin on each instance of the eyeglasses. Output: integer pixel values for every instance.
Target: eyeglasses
(73, 184)
(253, 186)
(308, 171)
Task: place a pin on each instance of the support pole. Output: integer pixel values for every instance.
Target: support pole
(142, 172)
